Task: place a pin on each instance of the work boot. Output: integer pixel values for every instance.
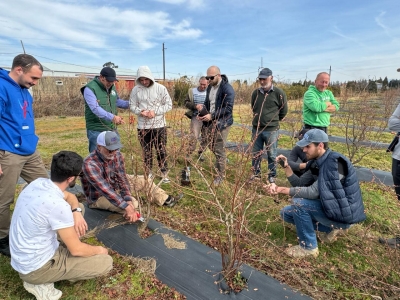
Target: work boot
(5, 246)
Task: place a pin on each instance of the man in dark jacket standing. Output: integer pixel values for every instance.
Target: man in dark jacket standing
(269, 106)
(218, 117)
(101, 105)
(326, 198)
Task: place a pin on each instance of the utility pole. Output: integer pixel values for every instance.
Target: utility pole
(260, 68)
(23, 48)
(330, 70)
(163, 58)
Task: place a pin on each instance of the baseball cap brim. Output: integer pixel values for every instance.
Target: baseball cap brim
(302, 143)
(111, 79)
(114, 146)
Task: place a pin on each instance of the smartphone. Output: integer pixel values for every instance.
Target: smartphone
(282, 163)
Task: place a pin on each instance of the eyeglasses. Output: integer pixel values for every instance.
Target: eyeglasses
(211, 77)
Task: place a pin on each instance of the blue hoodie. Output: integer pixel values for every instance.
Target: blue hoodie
(17, 127)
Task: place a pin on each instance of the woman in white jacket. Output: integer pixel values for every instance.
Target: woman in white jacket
(150, 101)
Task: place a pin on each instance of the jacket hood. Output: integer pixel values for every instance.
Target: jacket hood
(224, 78)
(4, 74)
(144, 71)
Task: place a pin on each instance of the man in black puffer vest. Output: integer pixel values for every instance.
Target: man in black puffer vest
(326, 198)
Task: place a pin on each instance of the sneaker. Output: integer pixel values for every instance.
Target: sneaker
(392, 243)
(171, 200)
(298, 251)
(218, 180)
(5, 246)
(165, 180)
(328, 237)
(43, 291)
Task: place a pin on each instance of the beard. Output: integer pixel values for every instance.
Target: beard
(72, 184)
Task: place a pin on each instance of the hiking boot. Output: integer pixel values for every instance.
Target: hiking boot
(218, 180)
(185, 177)
(171, 200)
(392, 243)
(43, 291)
(328, 237)
(298, 251)
(5, 246)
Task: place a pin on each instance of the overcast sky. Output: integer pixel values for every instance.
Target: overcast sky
(295, 39)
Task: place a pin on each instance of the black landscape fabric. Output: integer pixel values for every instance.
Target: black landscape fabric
(193, 271)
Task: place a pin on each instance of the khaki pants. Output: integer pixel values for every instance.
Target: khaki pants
(216, 140)
(137, 184)
(64, 266)
(29, 167)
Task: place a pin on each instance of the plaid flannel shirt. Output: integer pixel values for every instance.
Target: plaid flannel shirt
(106, 178)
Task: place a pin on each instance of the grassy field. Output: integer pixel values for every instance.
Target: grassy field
(354, 267)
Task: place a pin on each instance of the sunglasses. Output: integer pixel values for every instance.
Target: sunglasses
(211, 77)
(112, 151)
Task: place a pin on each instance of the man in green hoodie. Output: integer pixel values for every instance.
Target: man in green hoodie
(318, 104)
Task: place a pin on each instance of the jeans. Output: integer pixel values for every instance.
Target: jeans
(396, 176)
(270, 139)
(92, 137)
(309, 216)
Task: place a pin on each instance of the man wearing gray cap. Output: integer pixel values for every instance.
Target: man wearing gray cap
(269, 105)
(101, 105)
(326, 198)
(106, 184)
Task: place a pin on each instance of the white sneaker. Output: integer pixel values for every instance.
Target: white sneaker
(165, 180)
(298, 251)
(43, 291)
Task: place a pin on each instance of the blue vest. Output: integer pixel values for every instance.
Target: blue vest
(342, 201)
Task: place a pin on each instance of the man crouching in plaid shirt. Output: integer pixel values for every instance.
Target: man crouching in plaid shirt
(106, 184)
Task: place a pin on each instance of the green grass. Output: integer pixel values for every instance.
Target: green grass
(354, 267)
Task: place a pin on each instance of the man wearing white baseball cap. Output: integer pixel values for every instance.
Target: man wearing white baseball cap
(106, 184)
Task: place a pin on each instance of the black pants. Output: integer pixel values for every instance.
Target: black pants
(156, 137)
(396, 176)
(325, 129)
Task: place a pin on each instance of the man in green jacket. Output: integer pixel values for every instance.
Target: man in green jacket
(269, 105)
(318, 104)
(101, 102)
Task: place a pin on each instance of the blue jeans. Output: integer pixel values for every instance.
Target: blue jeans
(309, 216)
(270, 139)
(92, 137)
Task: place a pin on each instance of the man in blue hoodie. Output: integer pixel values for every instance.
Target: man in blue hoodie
(18, 141)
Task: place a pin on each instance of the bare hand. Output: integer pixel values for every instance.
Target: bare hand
(130, 214)
(1, 171)
(273, 189)
(331, 108)
(80, 224)
(118, 120)
(103, 250)
(281, 157)
(151, 114)
(206, 118)
(199, 107)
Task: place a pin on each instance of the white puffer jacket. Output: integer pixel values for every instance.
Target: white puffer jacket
(155, 98)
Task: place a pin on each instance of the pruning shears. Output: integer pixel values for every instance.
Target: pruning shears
(140, 218)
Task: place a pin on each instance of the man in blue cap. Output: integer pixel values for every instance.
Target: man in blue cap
(326, 198)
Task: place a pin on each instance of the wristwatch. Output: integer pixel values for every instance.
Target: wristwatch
(77, 209)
